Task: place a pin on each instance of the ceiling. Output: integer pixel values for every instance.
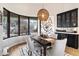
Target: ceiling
(31, 9)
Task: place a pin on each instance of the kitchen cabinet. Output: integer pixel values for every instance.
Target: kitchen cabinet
(72, 38)
(72, 41)
(59, 20)
(74, 16)
(68, 18)
(63, 17)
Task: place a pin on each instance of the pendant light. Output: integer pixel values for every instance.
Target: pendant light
(43, 14)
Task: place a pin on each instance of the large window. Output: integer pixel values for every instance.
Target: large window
(16, 25)
(33, 25)
(4, 22)
(13, 25)
(23, 25)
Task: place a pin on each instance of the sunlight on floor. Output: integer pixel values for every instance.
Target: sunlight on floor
(72, 51)
(15, 51)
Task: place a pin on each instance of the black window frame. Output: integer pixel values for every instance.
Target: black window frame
(8, 23)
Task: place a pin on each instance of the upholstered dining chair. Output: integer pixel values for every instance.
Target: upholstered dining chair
(58, 49)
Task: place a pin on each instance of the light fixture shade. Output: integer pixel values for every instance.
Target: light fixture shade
(43, 14)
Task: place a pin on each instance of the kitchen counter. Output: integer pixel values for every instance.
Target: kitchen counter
(67, 33)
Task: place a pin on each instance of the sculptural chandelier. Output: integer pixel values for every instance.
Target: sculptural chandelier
(43, 14)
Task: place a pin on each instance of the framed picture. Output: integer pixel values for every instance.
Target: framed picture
(0, 18)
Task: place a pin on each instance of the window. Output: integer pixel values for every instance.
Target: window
(13, 25)
(4, 22)
(33, 25)
(23, 25)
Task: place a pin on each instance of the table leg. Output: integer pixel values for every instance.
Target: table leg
(44, 51)
(41, 52)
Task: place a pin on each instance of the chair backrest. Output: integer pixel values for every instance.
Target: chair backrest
(30, 44)
(58, 48)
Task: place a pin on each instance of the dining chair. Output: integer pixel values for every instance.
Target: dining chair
(32, 50)
(58, 49)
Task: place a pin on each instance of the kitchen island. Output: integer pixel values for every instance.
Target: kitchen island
(72, 38)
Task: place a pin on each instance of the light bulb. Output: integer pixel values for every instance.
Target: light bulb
(42, 15)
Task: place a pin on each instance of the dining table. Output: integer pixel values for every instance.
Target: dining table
(44, 42)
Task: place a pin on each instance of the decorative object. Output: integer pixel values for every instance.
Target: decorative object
(47, 27)
(43, 14)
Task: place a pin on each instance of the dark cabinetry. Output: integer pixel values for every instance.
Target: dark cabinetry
(72, 41)
(68, 19)
(59, 21)
(74, 17)
(63, 20)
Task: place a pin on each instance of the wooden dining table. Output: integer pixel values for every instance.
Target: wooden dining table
(44, 42)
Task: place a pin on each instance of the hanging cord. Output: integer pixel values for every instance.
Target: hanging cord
(43, 4)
